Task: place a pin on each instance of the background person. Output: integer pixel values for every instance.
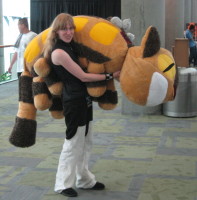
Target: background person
(192, 45)
(21, 43)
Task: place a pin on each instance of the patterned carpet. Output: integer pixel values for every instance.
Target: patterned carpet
(137, 157)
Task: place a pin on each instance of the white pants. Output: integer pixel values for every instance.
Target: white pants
(73, 162)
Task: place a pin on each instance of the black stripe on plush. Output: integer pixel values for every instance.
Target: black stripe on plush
(152, 45)
(51, 78)
(25, 89)
(96, 84)
(108, 97)
(40, 88)
(33, 73)
(23, 133)
(57, 104)
(91, 55)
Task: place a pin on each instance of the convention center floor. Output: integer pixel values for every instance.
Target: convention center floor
(150, 157)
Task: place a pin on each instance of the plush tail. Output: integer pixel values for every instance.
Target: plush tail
(24, 131)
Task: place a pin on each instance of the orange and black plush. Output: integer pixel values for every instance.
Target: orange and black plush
(148, 76)
(102, 48)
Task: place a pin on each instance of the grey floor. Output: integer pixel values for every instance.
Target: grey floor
(145, 157)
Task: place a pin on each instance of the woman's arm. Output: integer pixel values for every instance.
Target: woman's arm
(60, 57)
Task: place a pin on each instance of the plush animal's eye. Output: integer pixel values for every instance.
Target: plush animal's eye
(167, 65)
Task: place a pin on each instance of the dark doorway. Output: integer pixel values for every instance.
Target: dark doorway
(44, 11)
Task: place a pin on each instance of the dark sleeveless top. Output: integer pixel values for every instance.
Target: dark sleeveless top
(76, 101)
(73, 87)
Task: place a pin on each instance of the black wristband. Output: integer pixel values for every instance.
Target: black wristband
(109, 76)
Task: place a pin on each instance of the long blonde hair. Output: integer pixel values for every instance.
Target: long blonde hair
(59, 23)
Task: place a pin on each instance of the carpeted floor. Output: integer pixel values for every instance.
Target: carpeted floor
(137, 157)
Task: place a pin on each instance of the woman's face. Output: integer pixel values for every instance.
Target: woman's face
(66, 34)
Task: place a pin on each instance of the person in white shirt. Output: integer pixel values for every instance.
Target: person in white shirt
(21, 43)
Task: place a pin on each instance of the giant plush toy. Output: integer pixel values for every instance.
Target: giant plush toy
(147, 73)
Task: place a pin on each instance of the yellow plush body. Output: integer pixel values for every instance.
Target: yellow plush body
(102, 48)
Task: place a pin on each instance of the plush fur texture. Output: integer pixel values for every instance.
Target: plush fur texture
(40, 88)
(96, 84)
(41, 68)
(51, 79)
(42, 96)
(152, 45)
(90, 54)
(57, 104)
(102, 49)
(155, 70)
(25, 93)
(56, 109)
(108, 97)
(23, 133)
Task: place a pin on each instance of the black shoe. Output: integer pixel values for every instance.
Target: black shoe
(69, 192)
(98, 186)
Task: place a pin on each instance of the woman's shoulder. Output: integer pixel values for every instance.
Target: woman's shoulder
(58, 52)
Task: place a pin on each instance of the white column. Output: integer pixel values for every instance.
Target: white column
(1, 39)
(175, 20)
(194, 11)
(188, 10)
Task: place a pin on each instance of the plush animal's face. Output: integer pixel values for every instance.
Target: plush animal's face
(148, 74)
(164, 61)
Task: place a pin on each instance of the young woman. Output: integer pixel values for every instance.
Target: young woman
(73, 162)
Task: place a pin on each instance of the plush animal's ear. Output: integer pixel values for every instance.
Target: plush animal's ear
(150, 42)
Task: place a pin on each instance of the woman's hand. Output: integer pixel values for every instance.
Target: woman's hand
(116, 75)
